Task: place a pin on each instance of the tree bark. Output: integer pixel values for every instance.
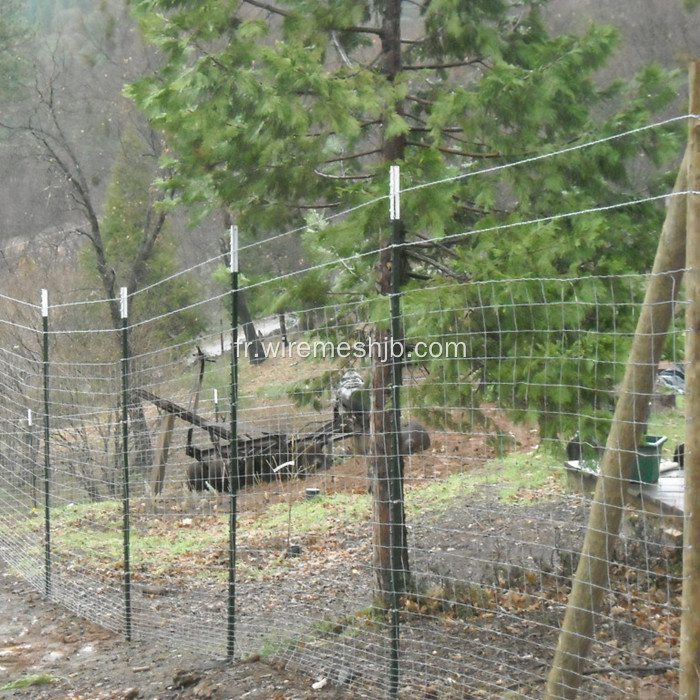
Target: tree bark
(392, 148)
(254, 349)
(389, 538)
(631, 414)
(690, 620)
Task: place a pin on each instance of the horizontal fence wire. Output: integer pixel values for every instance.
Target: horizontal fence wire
(508, 390)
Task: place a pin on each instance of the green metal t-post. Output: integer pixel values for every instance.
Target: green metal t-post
(125, 449)
(47, 443)
(396, 466)
(233, 447)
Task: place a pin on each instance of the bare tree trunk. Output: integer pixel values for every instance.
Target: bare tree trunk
(54, 144)
(254, 348)
(631, 413)
(390, 557)
(389, 538)
(690, 620)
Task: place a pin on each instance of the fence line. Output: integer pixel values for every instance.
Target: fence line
(497, 450)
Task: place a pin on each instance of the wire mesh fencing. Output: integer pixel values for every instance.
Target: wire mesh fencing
(507, 391)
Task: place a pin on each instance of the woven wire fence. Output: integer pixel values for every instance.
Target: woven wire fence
(497, 478)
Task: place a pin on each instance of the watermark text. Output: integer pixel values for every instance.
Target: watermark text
(382, 350)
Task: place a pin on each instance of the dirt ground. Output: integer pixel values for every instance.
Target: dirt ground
(66, 657)
(69, 658)
(78, 660)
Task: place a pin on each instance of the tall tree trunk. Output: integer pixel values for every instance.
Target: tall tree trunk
(254, 348)
(631, 413)
(690, 621)
(389, 539)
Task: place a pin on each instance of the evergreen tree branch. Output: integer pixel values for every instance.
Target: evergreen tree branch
(455, 151)
(414, 255)
(348, 178)
(430, 243)
(354, 156)
(444, 66)
(273, 9)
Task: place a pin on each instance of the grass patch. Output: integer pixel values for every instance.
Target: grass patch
(452, 599)
(30, 680)
(275, 647)
(347, 626)
(91, 535)
(671, 423)
(527, 472)
(316, 516)
(514, 475)
(439, 495)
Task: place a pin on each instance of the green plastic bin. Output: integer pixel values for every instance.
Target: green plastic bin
(649, 459)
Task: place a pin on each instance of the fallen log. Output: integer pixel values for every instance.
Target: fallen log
(218, 430)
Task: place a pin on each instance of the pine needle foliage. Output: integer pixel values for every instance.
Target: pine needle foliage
(274, 108)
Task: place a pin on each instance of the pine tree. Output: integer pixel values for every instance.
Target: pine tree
(307, 102)
(275, 107)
